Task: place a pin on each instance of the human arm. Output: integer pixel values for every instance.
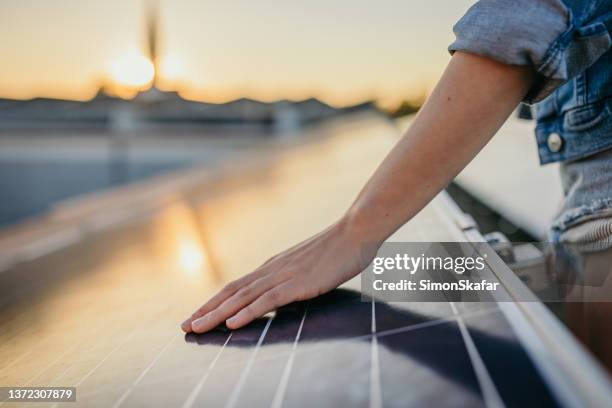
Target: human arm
(471, 101)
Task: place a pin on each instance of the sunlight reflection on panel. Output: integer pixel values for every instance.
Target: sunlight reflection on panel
(190, 257)
(275, 208)
(178, 236)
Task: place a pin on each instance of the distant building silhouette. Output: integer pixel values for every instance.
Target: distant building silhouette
(155, 107)
(162, 109)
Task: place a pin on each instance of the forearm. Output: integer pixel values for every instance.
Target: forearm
(470, 103)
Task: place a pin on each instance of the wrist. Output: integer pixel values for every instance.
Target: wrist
(362, 227)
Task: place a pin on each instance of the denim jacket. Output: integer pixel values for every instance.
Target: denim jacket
(569, 45)
(568, 42)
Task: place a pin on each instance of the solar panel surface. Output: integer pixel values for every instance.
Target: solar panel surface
(103, 313)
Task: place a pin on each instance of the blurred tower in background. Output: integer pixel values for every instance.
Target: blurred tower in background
(125, 119)
(152, 34)
(152, 38)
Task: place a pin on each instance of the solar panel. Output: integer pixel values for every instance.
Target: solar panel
(103, 314)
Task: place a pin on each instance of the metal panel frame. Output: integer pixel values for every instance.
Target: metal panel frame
(571, 371)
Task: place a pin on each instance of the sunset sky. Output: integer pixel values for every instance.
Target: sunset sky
(343, 51)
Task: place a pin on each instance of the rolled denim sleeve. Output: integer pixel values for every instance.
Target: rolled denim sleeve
(543, 34)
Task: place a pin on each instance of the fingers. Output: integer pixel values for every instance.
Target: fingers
(234, 303)
(271, 266)
(229, 290)
(274, 298)
(213, 302)
(232, 288)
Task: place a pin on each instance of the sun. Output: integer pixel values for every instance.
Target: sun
(132, 70)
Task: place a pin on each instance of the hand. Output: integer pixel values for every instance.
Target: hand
(304, 271)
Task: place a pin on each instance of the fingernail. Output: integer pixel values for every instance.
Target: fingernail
(186, 325)
(231, 320)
